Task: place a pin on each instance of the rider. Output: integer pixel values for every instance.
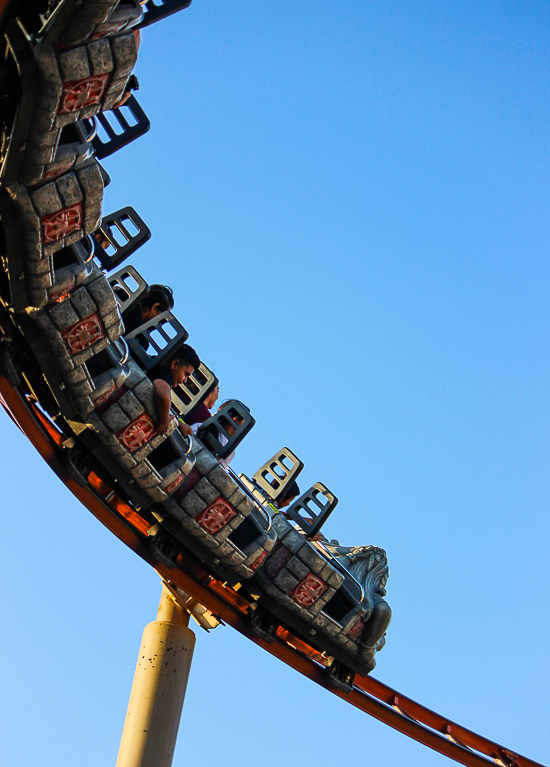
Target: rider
(177, 370)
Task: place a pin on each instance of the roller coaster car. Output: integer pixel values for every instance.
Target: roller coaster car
(228, 529)
(73, 355)
(303, 583)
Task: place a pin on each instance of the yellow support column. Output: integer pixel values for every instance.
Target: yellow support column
(156, 700)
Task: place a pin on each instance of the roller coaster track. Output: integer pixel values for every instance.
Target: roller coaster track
(229, 607)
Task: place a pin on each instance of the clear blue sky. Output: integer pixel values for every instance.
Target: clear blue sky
(351, 203)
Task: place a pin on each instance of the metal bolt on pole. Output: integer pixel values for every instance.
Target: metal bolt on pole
(158, 690)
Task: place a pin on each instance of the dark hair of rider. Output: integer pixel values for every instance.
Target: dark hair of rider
(292, 491)
(159, 294)
(186, 355)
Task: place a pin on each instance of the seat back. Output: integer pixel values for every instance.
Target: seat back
(129, 288)
(118, 127)
(154, 342)
(155, 10)
(189, 395)
(121, 233)
(223, 424)
(276, 476)
(317, 503)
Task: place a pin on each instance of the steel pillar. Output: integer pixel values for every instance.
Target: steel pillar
(156, 700)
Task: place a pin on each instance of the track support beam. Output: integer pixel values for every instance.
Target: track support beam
(158, 690)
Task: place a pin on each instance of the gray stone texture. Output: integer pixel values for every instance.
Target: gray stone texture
(69, 189)
(149, 480)
(146, 395)
(141, 470)
(111, 318)
(235, 558)
(115, 331)
(81, 357)
(115, 418)
(76, 375)
(127, 461)
(89, 177)
(197, 446)
(169, 478)
(84, 404)
(281, 526)
(325, 572)
(285, 581)
(226, 550)
(74, 237)
(44, 138)
(50, 87)
(205, 463)
(125, 52)
(235, 521)
(135, 375)
(131, 406)
(92, 218)
(320, 622)
(310, 557)
(174, 510)
(141, 454)
(291, 605)
(323, 600)
(156, 494)
(53, 247)
(74, 64)
(101, 292)
(193, 504)
(114, 92)
(32, 246)
(336, 579)
(31, 173)
(245, 507)
(294, 541)
(82, 303)
(39, 281)
(82, 388)
(63, 315)
(221, 480)
(329, 626)
(206, 491)
(78, 30)
(269, 587)
(40, 155)
(46, 200)
(25, 208)
(99, 53)
(43, 266)
(297, 568)
(210, 542)
(237, 496)
(91, 110)
(222, 534)
(191, 526)
(66, 119)
(112, 443)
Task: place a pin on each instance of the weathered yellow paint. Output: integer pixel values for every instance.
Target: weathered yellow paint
(158, 691)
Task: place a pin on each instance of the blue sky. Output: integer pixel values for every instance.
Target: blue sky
(351, 204)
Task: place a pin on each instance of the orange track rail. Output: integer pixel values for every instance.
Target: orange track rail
(368, 695)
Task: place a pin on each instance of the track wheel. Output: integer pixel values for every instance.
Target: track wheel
(262, 623)
(163, 546)
(340, 676)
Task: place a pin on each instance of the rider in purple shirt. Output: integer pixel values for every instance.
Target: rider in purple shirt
(202, 412)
